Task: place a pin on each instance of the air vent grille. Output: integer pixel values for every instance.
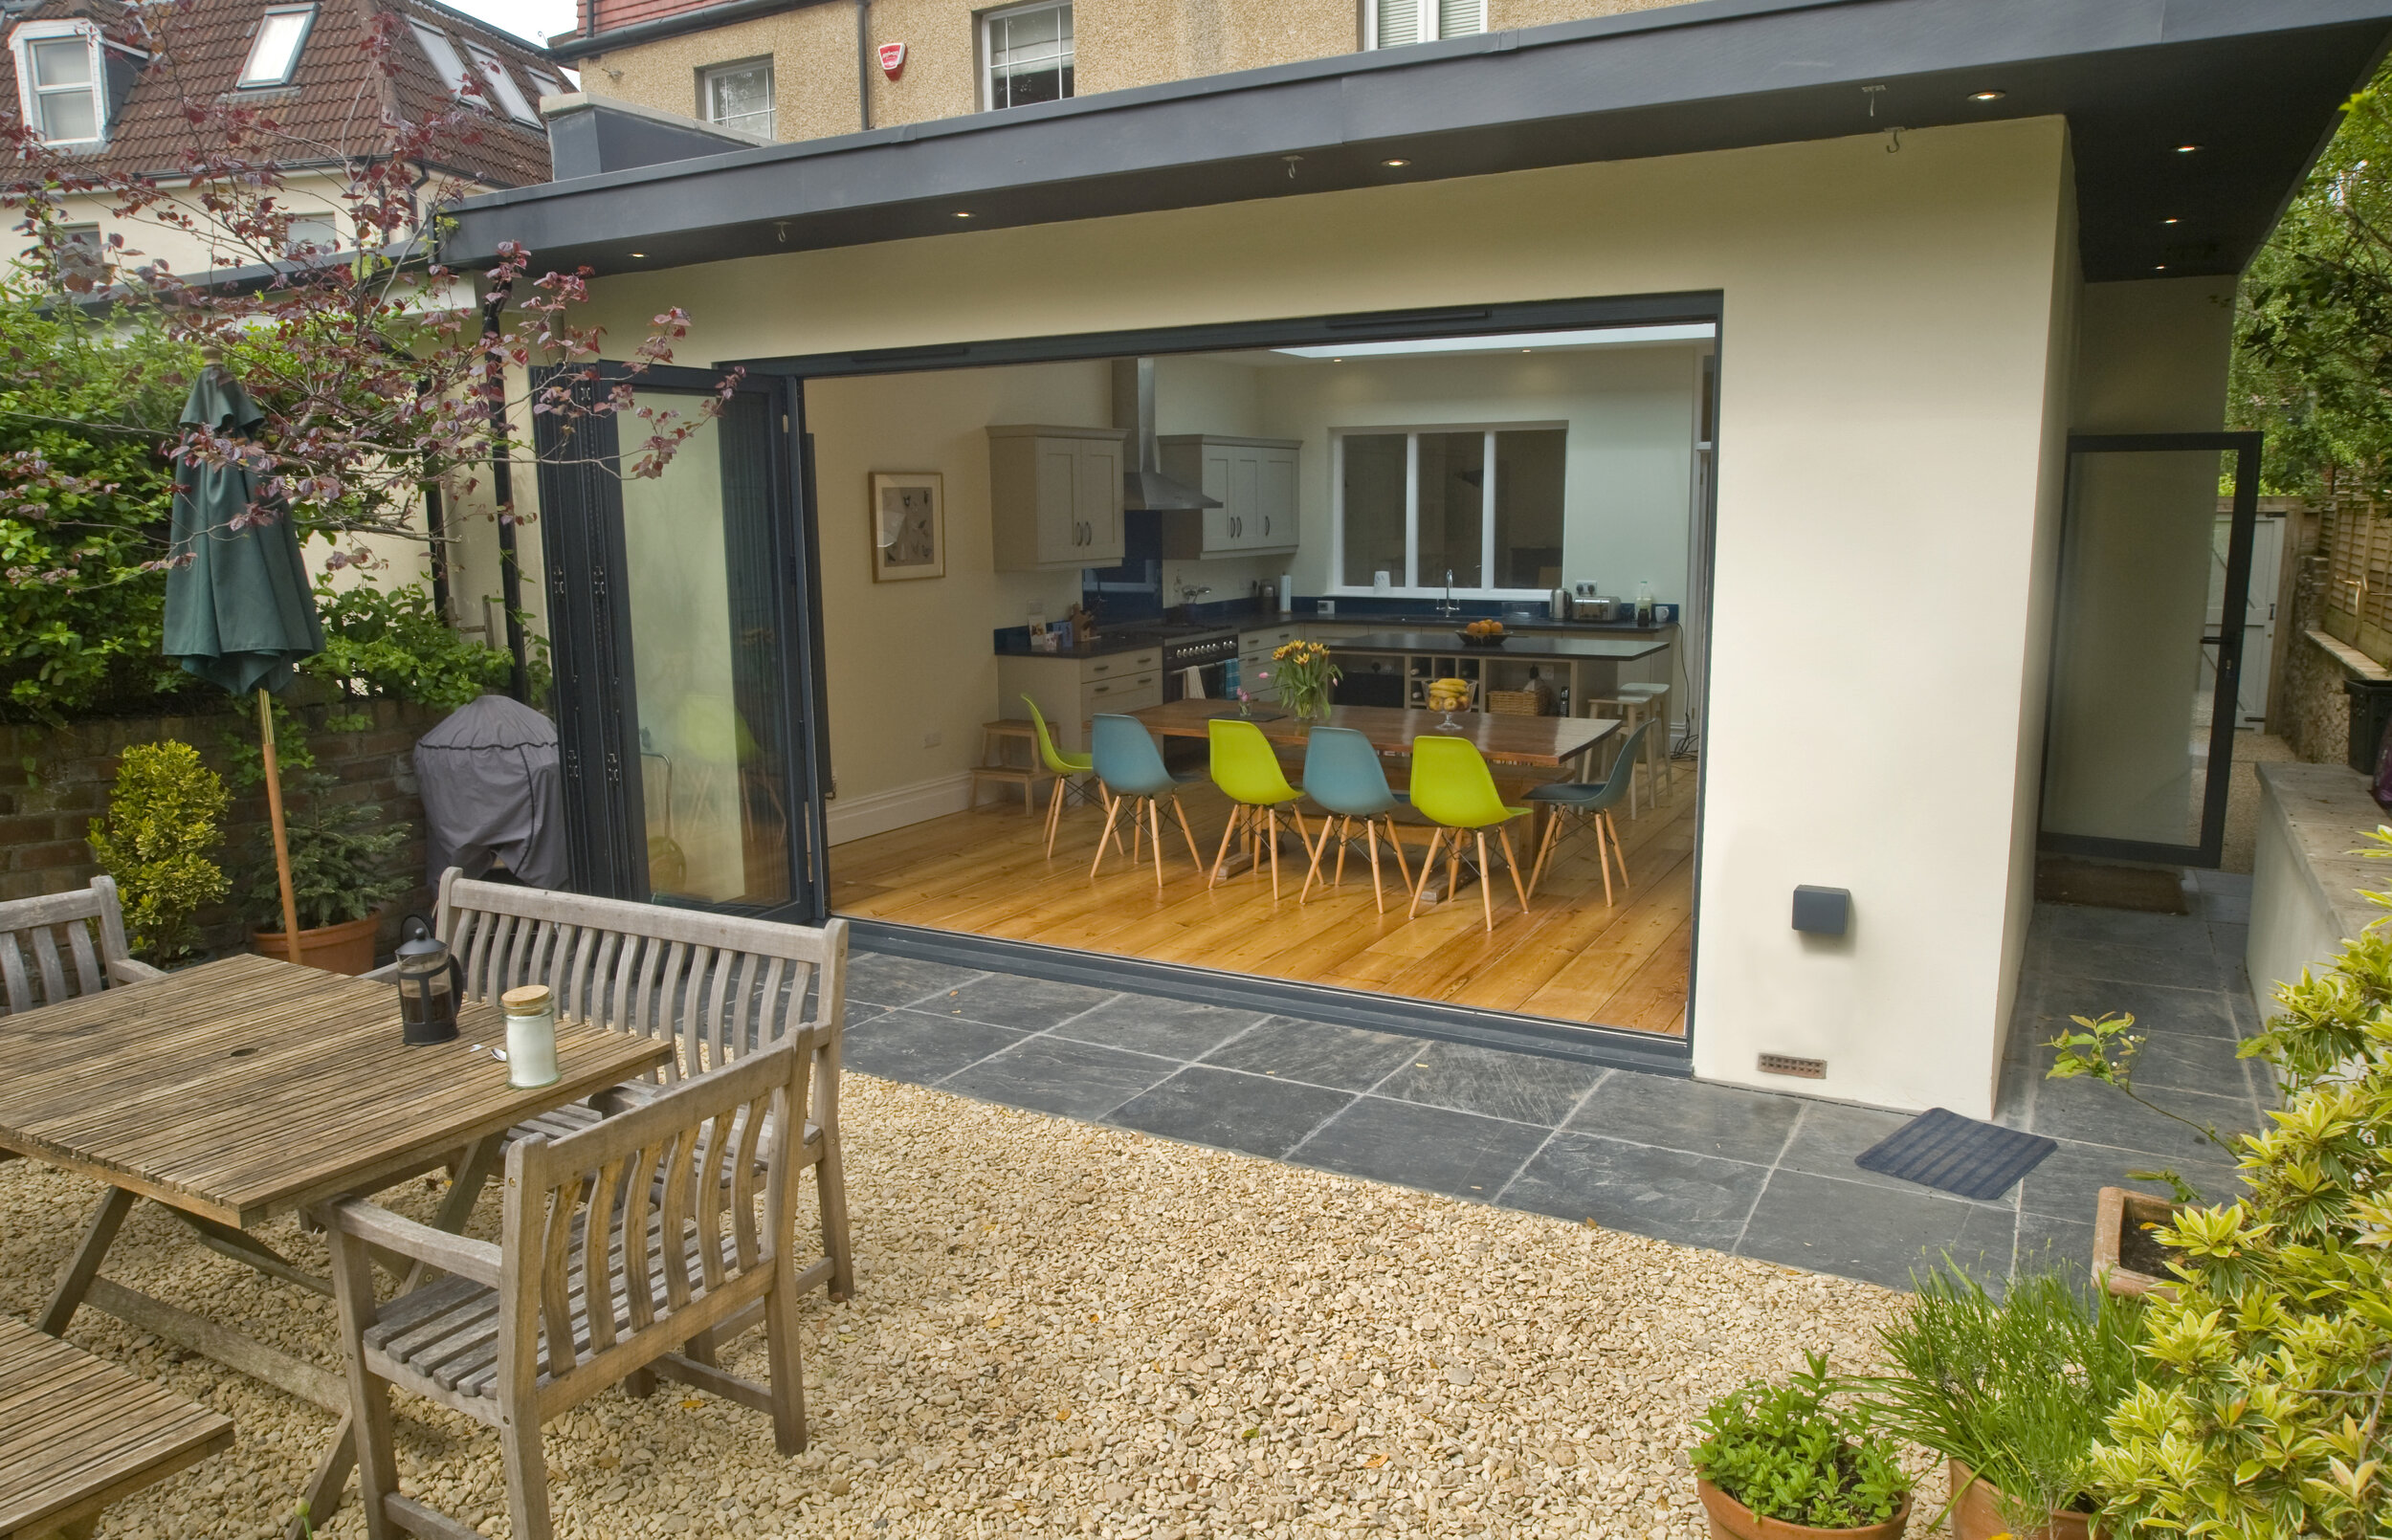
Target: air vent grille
(1787, 1064)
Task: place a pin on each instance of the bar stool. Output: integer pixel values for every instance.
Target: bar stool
(997, 763)
(1656, 699)
(1635, 709)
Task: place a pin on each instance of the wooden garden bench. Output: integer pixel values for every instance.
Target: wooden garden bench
(717, 986)
(76, 1434)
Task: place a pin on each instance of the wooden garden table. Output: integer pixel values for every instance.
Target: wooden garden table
(244, 1088)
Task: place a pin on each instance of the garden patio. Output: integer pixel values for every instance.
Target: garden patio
(1075, 1316)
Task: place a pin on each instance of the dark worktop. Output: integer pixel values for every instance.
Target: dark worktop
(1516, 645)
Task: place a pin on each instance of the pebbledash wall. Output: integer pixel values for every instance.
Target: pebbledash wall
(54, 780)
(1895, 362)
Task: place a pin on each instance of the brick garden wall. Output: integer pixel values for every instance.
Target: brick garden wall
(54, 782)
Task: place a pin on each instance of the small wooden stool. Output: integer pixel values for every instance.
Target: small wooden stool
(1632, 708)
(1656, 699)
(997, 763)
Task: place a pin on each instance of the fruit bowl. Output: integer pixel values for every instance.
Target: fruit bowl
(1482, 638)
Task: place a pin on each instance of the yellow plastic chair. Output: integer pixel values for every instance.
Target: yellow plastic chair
(1066, 768)
(1248, 773)
(1453, 789)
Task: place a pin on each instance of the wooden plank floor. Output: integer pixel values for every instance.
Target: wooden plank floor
(1572, 957)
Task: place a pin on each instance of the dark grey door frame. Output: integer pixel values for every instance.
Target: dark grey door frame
(580, 497)
(1553, 1039)
(2244, 447)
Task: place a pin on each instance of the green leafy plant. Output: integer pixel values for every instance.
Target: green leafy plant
(2267, 1380)
(159, 842)
(2105, 1049)
(2017, 1388)
(392, 642)
(344, 861)
(1784, 1452)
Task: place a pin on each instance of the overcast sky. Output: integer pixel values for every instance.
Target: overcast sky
(538, 20)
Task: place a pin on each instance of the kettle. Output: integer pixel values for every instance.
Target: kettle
(1558, 603)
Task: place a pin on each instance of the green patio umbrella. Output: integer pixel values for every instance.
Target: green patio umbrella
(238, 610)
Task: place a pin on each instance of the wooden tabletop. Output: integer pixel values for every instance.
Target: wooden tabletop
(1550, 741)
(248, 1086)
(76, 1434)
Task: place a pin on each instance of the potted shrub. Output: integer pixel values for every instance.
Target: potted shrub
(1777, 1462)
(159, 840)
(2015, 1394)
(341, 871)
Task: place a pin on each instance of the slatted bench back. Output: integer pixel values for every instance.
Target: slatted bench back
(58, 946)
(719, 987)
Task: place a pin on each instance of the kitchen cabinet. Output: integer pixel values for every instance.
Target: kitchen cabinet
(1054, 496)
(1070, 690)
(1255, 481)
(1254, 647)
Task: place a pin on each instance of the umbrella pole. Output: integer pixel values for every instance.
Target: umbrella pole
(281, 836)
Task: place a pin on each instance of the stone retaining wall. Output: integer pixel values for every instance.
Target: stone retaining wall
(54, 782)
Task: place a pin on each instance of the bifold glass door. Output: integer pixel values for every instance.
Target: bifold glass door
(2140, 741)
(680, 657)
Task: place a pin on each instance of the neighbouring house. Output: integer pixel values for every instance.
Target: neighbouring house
(1838, 386)
(115, 81)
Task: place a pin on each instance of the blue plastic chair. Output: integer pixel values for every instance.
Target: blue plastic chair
(1590, 803)
(1132, 769)
(1345, 779)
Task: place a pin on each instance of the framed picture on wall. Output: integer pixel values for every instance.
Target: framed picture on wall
(909, 525)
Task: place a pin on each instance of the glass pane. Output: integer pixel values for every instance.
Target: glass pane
(1459, 18)
(1399, 22)
(1030, 56)
(705, 633)
(275, 50)
(1373, 507)
(62, 61)
(67, 116)
(742, 98)
(2132, 670)
(1452, 509)
(1528, 508)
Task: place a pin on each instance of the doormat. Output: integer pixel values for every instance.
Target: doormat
(2151, 890)
(1956, 1155)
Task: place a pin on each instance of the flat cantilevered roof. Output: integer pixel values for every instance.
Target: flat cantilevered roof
(2254, 83)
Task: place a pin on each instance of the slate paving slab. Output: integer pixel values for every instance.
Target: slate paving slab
(1053, 1075)
(1670, 1193)
(1491, 1083)
(1434, 1148)
(1231, 1110)
(1350, 1058)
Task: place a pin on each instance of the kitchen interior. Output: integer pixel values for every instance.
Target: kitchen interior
(1138, 537)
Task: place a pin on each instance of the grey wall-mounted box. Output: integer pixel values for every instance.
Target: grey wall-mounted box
(1823, 911)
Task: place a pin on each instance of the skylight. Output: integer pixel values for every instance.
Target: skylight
(274, 54)
(443, 55)
(503, 87)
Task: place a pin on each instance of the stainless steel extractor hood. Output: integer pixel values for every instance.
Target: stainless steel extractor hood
(1143, 485)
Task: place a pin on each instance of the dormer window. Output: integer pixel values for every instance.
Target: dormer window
(59, 81)
(274, 52)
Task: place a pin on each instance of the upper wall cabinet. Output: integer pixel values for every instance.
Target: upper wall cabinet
(1054, 496)
(1255, 481)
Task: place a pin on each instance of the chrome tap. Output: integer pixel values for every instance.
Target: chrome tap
(1448, 609)
(1189, 593)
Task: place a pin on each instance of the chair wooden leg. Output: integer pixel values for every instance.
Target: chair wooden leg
(1486, 882)
(781, 1354)
(526, 1466)
(1370, 836)
(1546, 847)
(1054, 815)
(1138, 834)
(1154, 828)
(1180, 811)
(1428, 861)
(1271, 826)
(1617, 854)
(1511, 862)
(1453, 863)
(1113, 810)
(1311, 870)
(369, 1398)
(1345, 836)
(1228, 833)
(831, 1201)
(1396, 844)
(1603, 858)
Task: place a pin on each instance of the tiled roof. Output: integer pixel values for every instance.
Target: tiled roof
(337, 99)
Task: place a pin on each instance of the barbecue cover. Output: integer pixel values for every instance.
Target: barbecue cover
(493, 791)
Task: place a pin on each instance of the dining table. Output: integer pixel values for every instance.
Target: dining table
(235, 1091)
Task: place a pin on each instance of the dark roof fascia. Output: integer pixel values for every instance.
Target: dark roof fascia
(254, 277)
(570, 49)
(1708, 75)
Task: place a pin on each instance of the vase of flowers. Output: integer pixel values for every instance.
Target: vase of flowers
(1306, 678)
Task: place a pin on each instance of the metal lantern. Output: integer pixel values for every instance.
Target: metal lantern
(430, 984)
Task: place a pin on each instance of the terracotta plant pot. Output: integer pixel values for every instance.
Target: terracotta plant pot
(2119, 1214)
(1731, 1520)
(334, 947)
(1977, 1516)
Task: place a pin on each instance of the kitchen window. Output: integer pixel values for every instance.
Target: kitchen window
(739, 96)
(274, 52)
(59, 81)
(1483, 504)
(1029, 54)
(1394, 23)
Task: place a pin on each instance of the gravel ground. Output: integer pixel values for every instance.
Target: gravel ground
(1067, 1329)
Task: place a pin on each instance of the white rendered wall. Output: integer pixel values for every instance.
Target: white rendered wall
(1887, 362)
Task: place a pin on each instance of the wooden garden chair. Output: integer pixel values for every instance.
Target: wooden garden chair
(618, 1260)
(62, 945)
(719, 987)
